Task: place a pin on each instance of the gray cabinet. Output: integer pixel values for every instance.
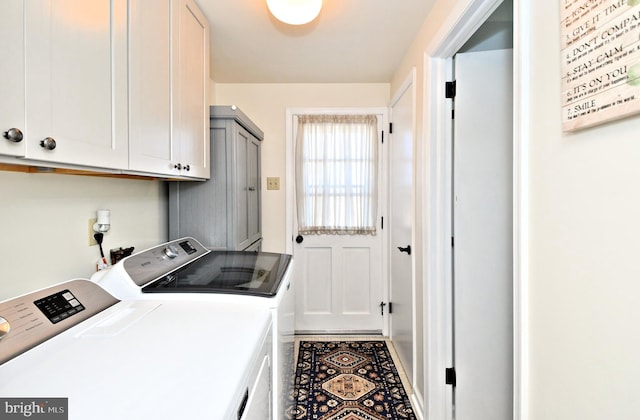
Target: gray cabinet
(223, 212)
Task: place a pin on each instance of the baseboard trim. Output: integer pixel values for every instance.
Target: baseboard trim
(416, 402)
(375, 333)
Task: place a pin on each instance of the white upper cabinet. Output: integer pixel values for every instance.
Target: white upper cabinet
(76, 82)
(150, 86)
(12, 121)
(169, 74)
(106, 85)
(191, 91)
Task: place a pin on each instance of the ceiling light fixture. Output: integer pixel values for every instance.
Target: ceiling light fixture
(295, 12)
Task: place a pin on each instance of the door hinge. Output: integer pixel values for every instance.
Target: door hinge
(382, 305)
(390, 307)
(450, 376)
(450, 90)
(390, 128)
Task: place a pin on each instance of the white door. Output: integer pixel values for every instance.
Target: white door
(401, 228)
(483, 315)
(339, 278)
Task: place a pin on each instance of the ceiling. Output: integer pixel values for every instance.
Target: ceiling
(352, 41)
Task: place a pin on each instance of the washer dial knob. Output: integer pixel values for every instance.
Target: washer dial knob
(4, 327)
(171, 251)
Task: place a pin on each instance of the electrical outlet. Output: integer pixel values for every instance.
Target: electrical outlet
(273, 183)
(92, 240)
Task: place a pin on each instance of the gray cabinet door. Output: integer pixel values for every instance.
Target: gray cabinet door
(223, 212)
(253, 204)
(242, 140)
(247, 188)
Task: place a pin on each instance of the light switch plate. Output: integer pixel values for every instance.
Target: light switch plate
(273, 183)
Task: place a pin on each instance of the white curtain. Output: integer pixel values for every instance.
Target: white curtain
(336, 174)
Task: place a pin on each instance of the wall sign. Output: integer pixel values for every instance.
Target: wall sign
(600, 61)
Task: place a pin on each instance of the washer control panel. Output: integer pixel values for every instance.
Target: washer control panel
(156, 262)
(31, 319)
(59, 306)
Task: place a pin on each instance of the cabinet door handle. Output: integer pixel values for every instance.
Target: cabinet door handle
(48, 143)
(13, 134)
(187, 167)
(252, 188)
(178, 166)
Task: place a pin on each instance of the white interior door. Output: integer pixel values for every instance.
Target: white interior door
(483, 203)
(339, 278)
(401, 229)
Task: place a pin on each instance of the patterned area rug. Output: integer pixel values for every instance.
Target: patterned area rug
(348, 380)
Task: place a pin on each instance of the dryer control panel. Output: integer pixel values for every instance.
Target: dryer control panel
(156, 262)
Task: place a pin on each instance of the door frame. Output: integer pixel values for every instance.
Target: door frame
(382, 176)
(458, 27)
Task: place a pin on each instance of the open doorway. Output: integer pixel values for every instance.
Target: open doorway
(455, 291)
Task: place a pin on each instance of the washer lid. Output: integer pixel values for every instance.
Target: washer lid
(235, 272)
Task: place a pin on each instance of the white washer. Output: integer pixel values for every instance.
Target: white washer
(185, 270)
(149, 359)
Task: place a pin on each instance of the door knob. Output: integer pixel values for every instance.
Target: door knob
(407, 249)
(48, 143)
(299, 239)
(13, 134)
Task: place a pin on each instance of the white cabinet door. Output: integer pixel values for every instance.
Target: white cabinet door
(191, 91)
(150, 86)
(171, 35)
(76, 81)
(12, 78)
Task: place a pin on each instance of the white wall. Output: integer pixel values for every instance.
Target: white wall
(44, 225)
(266, 105)
(585, 241)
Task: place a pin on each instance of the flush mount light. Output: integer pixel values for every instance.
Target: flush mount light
(295, 12)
